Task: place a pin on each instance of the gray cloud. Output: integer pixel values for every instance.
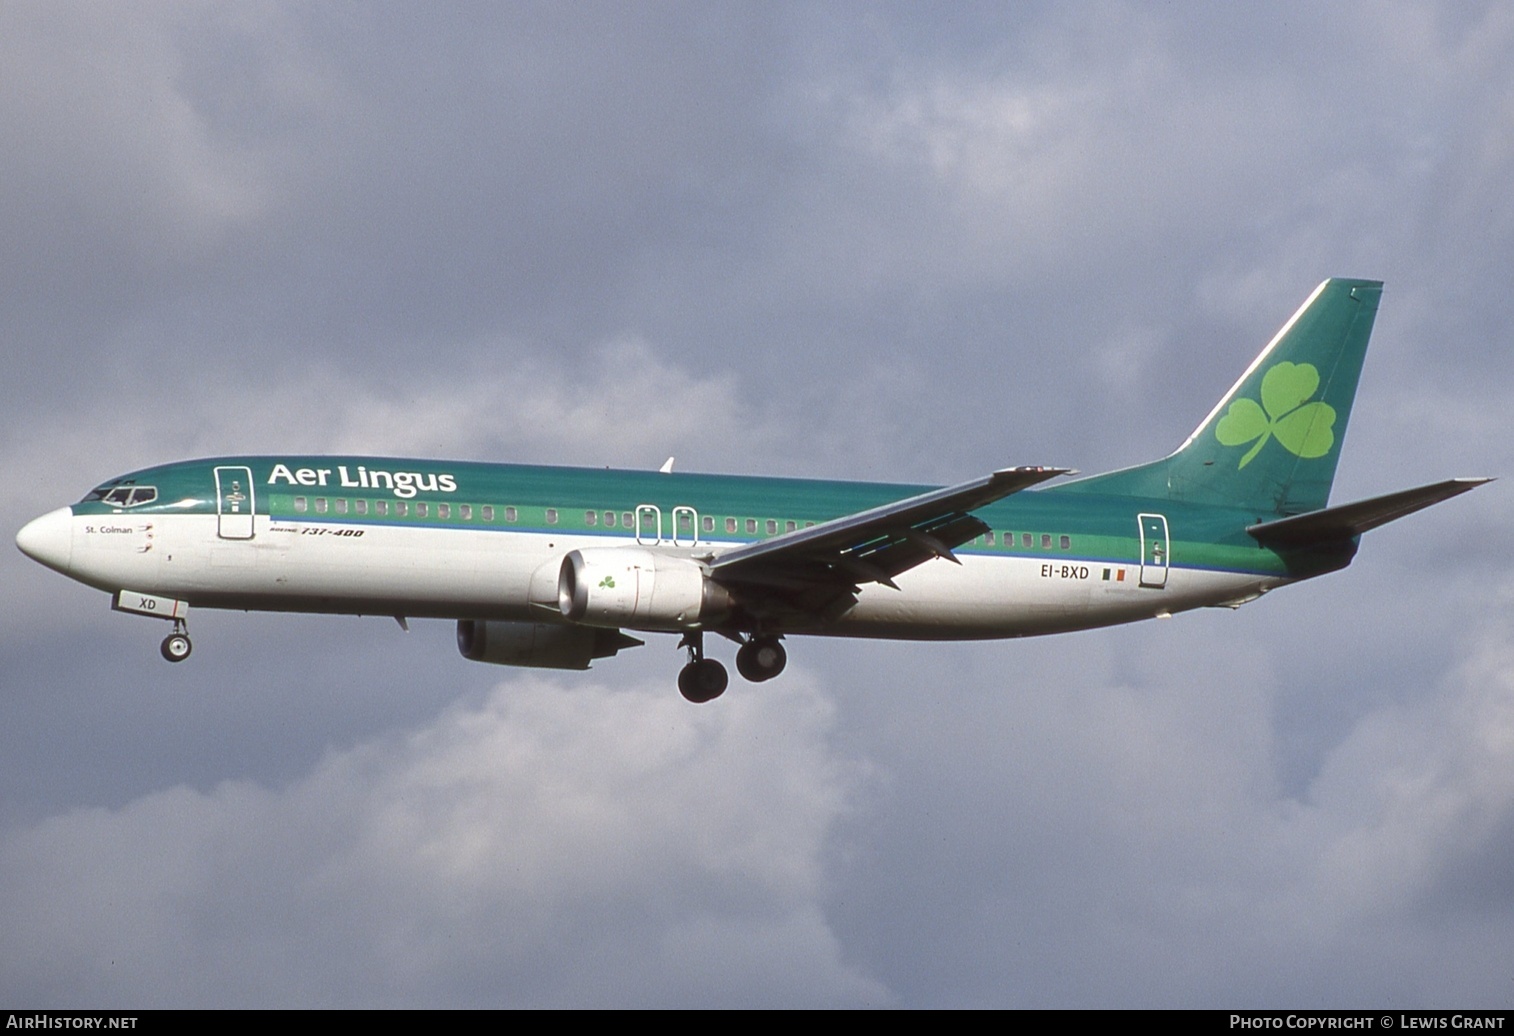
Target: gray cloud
(546, 845)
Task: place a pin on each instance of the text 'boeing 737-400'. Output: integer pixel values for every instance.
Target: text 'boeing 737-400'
(550, 567)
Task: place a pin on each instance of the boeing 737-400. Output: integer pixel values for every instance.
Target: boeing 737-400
(549, 567)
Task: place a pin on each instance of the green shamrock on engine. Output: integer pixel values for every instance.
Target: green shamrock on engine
(1303, 428)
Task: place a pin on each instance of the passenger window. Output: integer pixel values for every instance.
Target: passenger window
(1045, 541)
(380, 507)
(1027, 540)
(709, 524)
(988, 537)
(730, 525)
(401, 508)
(320, 505)
(609, 519)
(510, 514)
(420, 510)
(1066, 542)
(648, 524)
(590, 518)
(360, 506)
(751, 526)
(626, 521)
(465, 512)
(443, 510)
(551, 516)
(789, 526)
(299, 505)
(486, 512)
(772, 526)
(341, 506)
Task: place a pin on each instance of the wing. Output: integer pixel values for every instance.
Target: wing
(818, 571)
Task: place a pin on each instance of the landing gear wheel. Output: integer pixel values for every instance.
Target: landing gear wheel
(702, 681)
(176, 647)
(761, 659)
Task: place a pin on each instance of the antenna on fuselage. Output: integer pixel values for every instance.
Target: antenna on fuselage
(667, 466)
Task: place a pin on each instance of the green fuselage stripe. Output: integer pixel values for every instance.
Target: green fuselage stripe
(1098, 529)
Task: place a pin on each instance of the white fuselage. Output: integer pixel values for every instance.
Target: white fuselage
(466, 573)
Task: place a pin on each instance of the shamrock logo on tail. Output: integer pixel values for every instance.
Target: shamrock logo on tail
(1285, 414)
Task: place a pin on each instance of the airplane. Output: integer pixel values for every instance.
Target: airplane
(550, 567)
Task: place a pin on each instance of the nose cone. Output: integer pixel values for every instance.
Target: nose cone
(49, 539)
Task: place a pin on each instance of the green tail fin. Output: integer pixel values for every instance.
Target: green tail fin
(1272, 444)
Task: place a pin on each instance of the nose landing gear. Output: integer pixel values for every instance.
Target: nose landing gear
(176, 646)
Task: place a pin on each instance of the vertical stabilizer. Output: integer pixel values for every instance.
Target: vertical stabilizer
(1272, 443)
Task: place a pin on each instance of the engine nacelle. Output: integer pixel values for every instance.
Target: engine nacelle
(538, 644)
(625, 586)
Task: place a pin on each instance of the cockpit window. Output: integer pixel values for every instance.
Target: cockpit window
(123, 496)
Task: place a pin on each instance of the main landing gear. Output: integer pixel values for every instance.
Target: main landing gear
(705, 679)
(761, 658)
(176, 646)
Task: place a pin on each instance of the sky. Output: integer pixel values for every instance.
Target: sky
(847, 240)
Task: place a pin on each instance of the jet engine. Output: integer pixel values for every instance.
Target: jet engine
(624, 586)
(538, 644)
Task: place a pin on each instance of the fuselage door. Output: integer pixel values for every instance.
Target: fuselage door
(1154, 547)
(234, 503)
(648, 525)
(685, 527)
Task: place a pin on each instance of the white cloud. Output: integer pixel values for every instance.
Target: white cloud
(553, 844)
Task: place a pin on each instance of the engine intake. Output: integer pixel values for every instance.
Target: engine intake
(626, 586)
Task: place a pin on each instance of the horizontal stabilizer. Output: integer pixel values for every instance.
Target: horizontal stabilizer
(1350, 520)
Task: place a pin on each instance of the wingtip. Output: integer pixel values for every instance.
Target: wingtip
(1036, 469)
